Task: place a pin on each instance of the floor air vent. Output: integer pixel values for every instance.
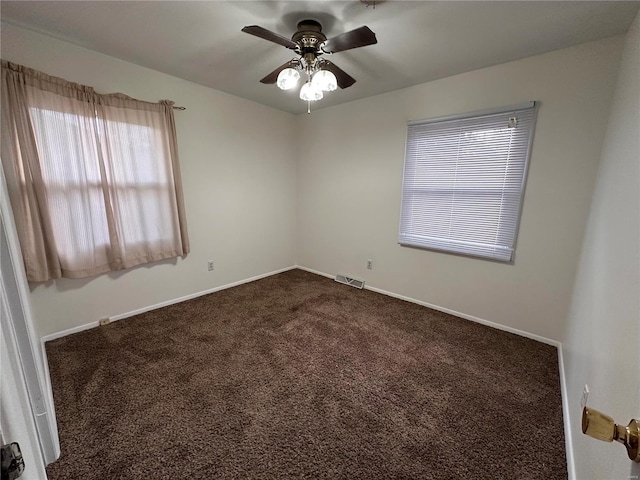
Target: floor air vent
(350, 281)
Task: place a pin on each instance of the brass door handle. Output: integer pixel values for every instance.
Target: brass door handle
(598, 425)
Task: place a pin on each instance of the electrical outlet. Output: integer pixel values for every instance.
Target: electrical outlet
(210, 265)
(585, 396)
(370, 264)
(104, 321)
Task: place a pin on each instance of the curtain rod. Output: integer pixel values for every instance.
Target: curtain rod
(179, 108)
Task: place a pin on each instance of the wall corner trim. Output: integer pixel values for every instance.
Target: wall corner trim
(87, 326)
(522, 333)
(563, 384)
(548, 341)
(568, 437)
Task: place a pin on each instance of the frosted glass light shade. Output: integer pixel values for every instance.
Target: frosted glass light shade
(287, 79)
(310, 92)
(326, 80)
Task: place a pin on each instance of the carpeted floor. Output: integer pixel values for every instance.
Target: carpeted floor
(296, 376)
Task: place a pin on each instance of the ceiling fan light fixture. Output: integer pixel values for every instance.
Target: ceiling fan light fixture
(310, 44)
(325, 80)
(287, 79)
(311, 92)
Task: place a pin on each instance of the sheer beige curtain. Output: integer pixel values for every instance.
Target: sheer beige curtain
(93, 179)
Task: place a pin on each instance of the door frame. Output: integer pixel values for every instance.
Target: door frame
(19, 325)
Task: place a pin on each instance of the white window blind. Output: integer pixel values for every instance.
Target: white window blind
(463, 182)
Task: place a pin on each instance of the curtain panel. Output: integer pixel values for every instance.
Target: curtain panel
(94, 180)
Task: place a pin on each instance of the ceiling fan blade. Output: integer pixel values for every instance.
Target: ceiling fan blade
(360, 37)
(269, 35)
(344, 79)
(273, 76)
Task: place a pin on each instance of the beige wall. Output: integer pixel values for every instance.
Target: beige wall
(602, 336)
(254, 202)
(239, 179)
(350, 162)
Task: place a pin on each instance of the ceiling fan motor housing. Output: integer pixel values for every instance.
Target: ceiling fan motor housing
(308, 26)
(309, 38)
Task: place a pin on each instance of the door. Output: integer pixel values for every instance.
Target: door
(27, 364)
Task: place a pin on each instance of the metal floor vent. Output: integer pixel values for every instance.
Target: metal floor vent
(354, 282)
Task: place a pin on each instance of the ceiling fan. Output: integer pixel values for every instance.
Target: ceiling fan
(310, 44)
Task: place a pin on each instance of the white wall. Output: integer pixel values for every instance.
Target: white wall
(350, 173)
(240, 179)
(602, 339)
(238, 170)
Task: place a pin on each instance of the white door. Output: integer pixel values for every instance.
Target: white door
(24, 368)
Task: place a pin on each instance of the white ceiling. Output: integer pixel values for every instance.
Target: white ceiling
(418, 41)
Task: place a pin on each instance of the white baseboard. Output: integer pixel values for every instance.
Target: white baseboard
(138, 311)
(568, 437)
(69, 331)
(557, 344)
(317, 272)
(498, 326)
(533, 336)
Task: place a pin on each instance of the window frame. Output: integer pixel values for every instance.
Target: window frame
(403, 239)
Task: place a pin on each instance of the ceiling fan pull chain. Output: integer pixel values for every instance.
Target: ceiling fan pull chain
(308, 107)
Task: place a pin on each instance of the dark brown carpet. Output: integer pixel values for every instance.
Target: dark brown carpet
(296, 376)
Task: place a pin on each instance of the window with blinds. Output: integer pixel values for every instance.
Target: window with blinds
(464, 179)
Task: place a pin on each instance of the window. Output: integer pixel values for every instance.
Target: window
(141, 187)
(93, 179)
(463, 183)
